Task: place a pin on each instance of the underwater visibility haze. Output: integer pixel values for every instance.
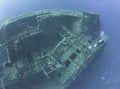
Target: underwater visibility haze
(59, 44)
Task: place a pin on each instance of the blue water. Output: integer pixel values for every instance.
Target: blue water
(104, 73)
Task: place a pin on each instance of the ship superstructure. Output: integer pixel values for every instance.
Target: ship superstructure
(51, 46)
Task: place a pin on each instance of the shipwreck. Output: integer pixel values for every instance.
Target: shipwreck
(48, 49)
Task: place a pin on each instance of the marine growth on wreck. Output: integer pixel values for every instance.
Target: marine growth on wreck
(48, 49)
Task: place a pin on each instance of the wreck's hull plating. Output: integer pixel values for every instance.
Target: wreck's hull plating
(50, 47)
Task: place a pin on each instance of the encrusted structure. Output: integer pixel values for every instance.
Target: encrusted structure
(48, 49)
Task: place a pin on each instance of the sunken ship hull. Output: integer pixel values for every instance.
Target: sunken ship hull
(48, 49)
